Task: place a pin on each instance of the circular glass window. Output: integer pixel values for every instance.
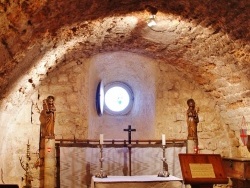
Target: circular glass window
(118, 98)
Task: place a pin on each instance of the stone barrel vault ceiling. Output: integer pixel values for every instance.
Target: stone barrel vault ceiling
(208, 40)
(205, 39)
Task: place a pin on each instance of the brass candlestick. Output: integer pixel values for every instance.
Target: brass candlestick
(101, 173)
(165, 172)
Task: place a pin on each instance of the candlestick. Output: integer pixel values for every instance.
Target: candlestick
(196, 149)
(101, 139)
(163, 139)
(164, 172)
(101, 173)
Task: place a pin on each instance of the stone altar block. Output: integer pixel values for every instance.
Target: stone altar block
(145, 181)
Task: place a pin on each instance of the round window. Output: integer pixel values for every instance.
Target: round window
(118, 98)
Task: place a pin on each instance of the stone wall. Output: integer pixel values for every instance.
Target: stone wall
(161, 91)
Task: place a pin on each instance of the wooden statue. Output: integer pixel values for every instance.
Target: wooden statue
(192, 120)
(47, 117)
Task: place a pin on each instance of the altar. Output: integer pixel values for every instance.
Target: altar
(79, 161)
(145, 181)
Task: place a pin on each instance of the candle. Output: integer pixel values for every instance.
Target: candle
(196, 149)
(163, 139)
(101, 138)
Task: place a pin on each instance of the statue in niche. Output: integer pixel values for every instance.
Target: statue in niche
(192, 120)
(47, 117)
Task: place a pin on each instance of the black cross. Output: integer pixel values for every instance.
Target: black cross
(129, 145)
(129, 133)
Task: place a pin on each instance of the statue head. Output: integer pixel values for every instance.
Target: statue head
(50, 101)
(191, 103)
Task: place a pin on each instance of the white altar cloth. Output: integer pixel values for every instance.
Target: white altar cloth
(145, 181)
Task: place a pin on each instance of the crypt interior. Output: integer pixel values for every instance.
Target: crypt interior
(198, 49)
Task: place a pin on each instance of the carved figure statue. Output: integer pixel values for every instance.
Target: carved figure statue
(192, 120)
(47, 117)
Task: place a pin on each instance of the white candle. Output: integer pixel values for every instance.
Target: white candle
(101, 139)
(163, 139)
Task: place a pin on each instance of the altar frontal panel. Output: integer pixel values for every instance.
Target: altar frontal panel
(78, 165)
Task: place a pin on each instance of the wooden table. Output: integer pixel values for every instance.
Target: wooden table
(238, 170)
(145, 181)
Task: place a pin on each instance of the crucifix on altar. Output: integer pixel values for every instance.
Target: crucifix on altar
(129, 145)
